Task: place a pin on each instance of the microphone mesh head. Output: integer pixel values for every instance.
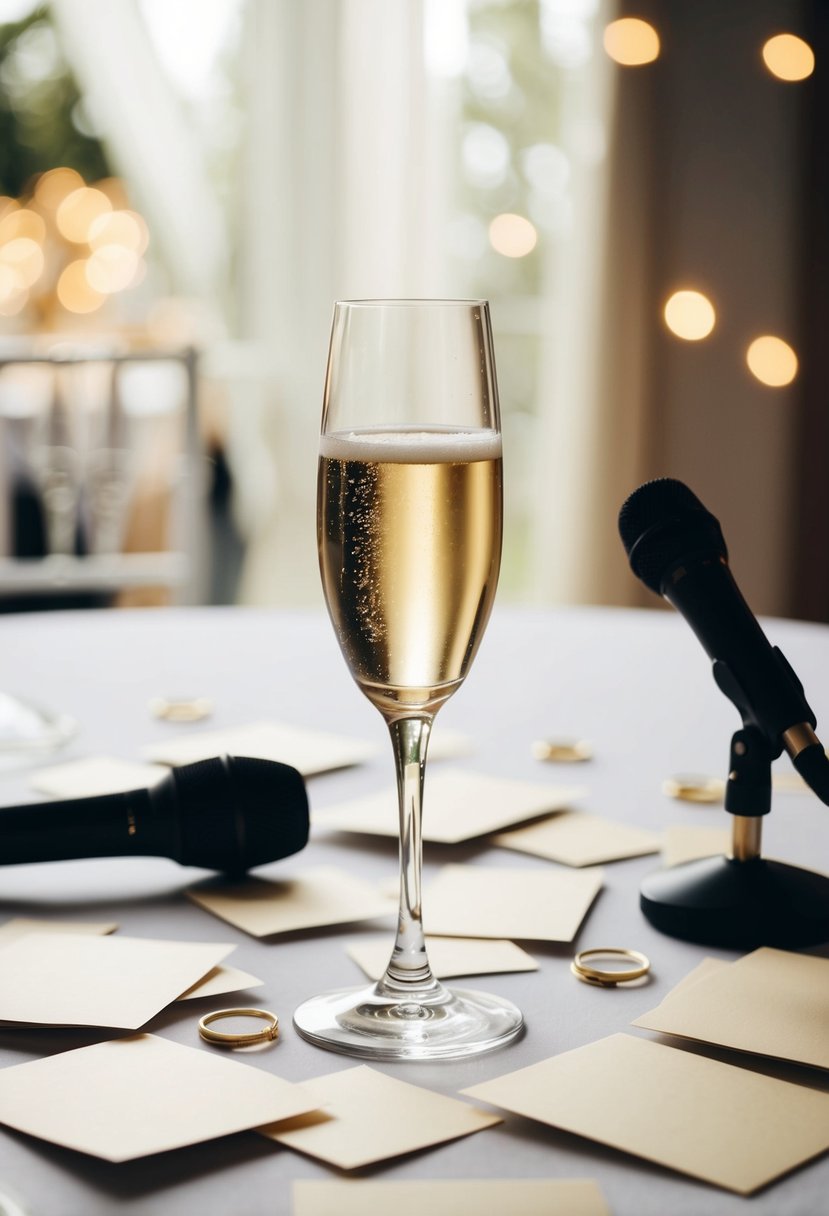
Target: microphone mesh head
(235, 812)
(273, 805)
(663, 523)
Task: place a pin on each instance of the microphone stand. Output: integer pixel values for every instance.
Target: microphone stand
(741, 899)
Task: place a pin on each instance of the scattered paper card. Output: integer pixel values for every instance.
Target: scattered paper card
(311, 900)
(770, 1002)
(451, 1197)
(448, 956)
(729, 1126)
(458, 805)
(221, 980)
(370, 1117)
(19, 926)
(576, 838)
(58, 979)
(310, 751)
(479, 901)
(131, 1097)
(95, 776)
(691, 841)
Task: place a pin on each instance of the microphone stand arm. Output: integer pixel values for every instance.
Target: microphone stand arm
(748, 791)
(788, 723)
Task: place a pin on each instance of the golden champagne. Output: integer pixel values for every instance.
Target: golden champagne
(409, 537)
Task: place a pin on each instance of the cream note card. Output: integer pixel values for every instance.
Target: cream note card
(19, 926)
(370, 1117)
(310, 751)
(458, 806)
(215, 983)
(726, 1125)
(689, 841)
(770, 1002)
(95, 776)
(131, 1097)
(451, 1197)
(480, 901)
(60, 979)
(315, 898)
(576, 838)
(448, 956)
(221, 980)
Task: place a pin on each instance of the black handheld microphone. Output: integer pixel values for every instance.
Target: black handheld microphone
(676, 547)
(228, 813)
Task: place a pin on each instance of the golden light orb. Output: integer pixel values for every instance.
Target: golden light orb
(74, 290)
(788, 57)
(22, 222)
(24, 257)
(54, 186)
(631, 42)
(772, 361)
(512, 235)
(79, 211)
(690, 315)
(125, 228)
(111, 268)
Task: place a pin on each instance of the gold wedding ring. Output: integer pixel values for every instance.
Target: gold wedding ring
(605, 977)
(223, 1039)
(690, 787)
(562, 751)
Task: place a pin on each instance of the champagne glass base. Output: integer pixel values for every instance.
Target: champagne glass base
(447, 1024)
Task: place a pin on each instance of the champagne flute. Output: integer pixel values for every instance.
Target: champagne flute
(409, 524)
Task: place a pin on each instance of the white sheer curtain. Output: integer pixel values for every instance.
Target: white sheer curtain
(339, 201)
(147, 136)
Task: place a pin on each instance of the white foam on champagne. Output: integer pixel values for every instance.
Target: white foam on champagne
(412, 446)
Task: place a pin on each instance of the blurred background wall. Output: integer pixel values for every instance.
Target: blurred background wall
(639, 189)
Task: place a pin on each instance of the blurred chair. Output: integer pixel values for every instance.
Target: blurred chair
(101, 485)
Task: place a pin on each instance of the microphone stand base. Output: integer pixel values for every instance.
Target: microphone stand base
(718, 901)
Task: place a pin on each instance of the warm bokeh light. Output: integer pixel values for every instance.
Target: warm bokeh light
(21, 222)
(631, 42)
(74, 290)
(789, 57)
(512, 235)
(13, 296)
(772, 361)
(54, 186)
(111, 268)
(125, 228)
(78, 212)
(24, 257)
(690, 315)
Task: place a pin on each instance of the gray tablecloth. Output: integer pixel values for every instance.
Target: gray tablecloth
(637, 684)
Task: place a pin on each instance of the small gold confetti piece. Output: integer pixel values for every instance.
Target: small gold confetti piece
(562, 751)
(181, 709)
(693, 787)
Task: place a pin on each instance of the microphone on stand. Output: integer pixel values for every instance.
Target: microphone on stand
(676, 547)
(228, 813)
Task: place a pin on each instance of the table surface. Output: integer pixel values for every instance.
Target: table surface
(636, 683)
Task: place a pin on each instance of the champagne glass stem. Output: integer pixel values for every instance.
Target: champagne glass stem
(408, 973)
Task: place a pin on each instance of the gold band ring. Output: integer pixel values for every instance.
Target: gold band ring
(608, 978)
(266, 1035)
